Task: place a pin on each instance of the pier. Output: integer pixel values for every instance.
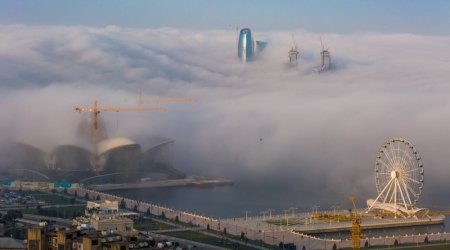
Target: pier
(192, 181)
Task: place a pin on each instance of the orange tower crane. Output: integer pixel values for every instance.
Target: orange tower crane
(96, 110)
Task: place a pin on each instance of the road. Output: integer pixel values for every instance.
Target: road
(42, 206)
(200, 246)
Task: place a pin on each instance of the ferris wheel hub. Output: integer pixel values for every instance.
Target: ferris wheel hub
(395, 174)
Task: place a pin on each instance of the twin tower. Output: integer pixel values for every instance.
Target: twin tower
(247, 46)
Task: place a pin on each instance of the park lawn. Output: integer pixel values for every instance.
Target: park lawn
(52, 199)
(149, 224)
(235, 237)
(198, 237)
(284, 222)
(61, 212)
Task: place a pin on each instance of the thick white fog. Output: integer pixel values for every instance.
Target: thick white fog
(255, 119)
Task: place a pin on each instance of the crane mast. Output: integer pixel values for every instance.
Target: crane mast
(356, 226)
(95, 111)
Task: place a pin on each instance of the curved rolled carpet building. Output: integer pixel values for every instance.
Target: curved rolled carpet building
(120, 160)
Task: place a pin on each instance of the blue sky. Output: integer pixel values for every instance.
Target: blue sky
(340, 16)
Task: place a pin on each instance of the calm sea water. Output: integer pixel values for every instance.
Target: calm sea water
(232, 201)
(222, 201)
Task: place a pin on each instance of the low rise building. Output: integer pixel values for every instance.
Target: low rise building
(105, 216)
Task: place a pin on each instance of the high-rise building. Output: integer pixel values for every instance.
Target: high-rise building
(246, 45)
(325, 60)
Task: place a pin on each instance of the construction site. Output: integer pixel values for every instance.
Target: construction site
(98, 158)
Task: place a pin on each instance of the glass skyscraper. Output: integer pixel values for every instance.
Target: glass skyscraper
(246, 45)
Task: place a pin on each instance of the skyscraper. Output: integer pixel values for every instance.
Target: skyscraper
(246, 45)
(325, 60)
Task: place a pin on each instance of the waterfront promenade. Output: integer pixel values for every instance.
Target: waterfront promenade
(254, 229)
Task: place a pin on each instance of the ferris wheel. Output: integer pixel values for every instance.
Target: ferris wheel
(399, 175)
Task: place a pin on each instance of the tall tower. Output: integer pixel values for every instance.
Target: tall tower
(246, 45)
(293, 53)
(325, 58)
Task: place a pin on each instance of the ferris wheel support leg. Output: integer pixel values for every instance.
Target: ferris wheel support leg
(379, 195)
(395, 199)
(402, 195)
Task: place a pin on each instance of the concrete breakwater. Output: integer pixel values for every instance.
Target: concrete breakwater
(198, 181)
(271, 235)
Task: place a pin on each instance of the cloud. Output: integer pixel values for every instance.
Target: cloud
(261, 119)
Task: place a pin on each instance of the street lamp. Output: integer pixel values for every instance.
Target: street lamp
(246, 214)
(334, 212)
(285, 217)
(270, 213)
(264, 214)
(293, 210)
(314, 209)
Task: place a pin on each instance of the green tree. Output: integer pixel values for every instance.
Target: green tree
(86, 196)
(122, 204)
(224, 230)
(75, 193)
(148, 211)
(98, 197)
(177, 219)
(163, 215)
(39, 209)
(12, 215)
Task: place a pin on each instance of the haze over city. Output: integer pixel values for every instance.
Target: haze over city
(259, 121)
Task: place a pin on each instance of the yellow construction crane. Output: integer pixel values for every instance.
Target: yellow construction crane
(356, 225)
(96, 110)
(354, 217)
